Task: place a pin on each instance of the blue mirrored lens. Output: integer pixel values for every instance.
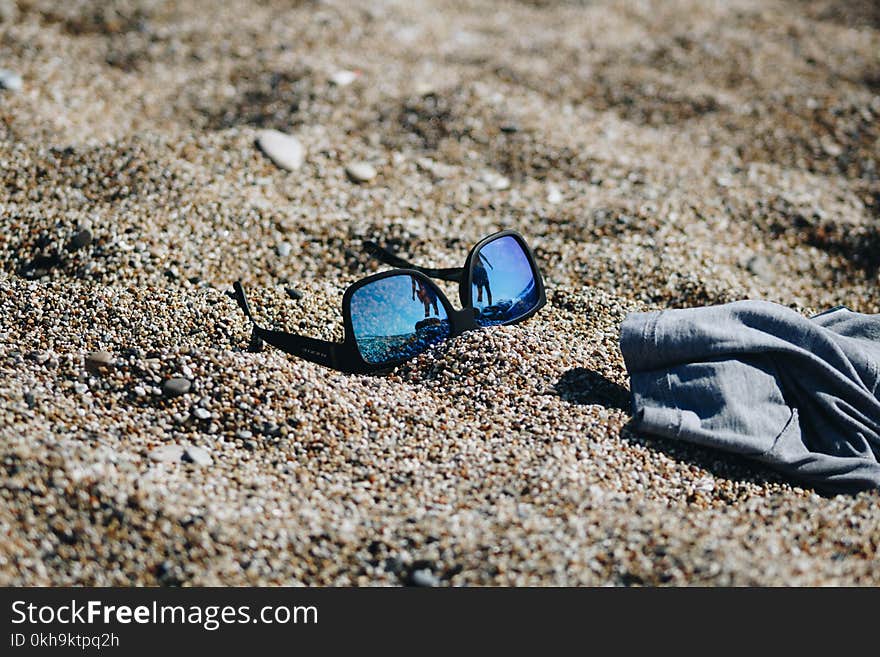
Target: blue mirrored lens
(396, 318)
(503, 284)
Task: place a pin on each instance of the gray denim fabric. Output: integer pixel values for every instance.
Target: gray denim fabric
(763, 381)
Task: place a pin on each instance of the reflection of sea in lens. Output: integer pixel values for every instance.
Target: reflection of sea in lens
(397, 317)
(503, 284)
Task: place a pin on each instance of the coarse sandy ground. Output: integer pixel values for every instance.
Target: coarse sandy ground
(658, 155)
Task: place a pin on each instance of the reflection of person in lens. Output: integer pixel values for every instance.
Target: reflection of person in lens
(481, 278)
(426, 295)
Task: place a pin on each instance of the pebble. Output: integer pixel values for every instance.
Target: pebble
(343, 78)
(360, 172)
(176, 386)
(554, 195)
(98, 361)
(271, 429)
(197, 455)
(705, 484)
(284, 249)
(831, 147)
(437, 169)
(284, 150)
(166, 453)
(80, 239)
(424, 88)
(761, 267)
(294, 294)
(10, 80)
(202, 413)
(424, 577)
(496, 180)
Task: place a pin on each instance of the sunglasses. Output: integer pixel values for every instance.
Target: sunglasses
(396, 315)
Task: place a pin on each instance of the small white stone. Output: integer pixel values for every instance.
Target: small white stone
(424, 577)
(10, 80)
(554, 195)
(343, 78)
(424, 88)
(197, 455)
(496, 180)
(202, 413)
(283, 249)
(831, 147)
(360, 172)
(705, 484)
(284, 150)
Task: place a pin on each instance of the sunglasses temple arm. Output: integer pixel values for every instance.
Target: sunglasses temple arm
(384, 255)
(311, 349)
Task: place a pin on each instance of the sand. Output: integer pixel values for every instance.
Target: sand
(654, 155)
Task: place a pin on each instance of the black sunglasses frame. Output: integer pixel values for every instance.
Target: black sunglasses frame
(345, 356)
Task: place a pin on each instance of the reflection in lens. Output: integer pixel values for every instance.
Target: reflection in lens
(397, 317)
(503, 284)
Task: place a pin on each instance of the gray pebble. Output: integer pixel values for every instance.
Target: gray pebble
(197, 455)
(176, 386)
(201, 413)
(80, 239)
(283, 249)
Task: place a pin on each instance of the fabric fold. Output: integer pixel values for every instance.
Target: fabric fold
(761, 380)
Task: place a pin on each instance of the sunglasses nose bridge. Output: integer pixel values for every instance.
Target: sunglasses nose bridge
(463, 320)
